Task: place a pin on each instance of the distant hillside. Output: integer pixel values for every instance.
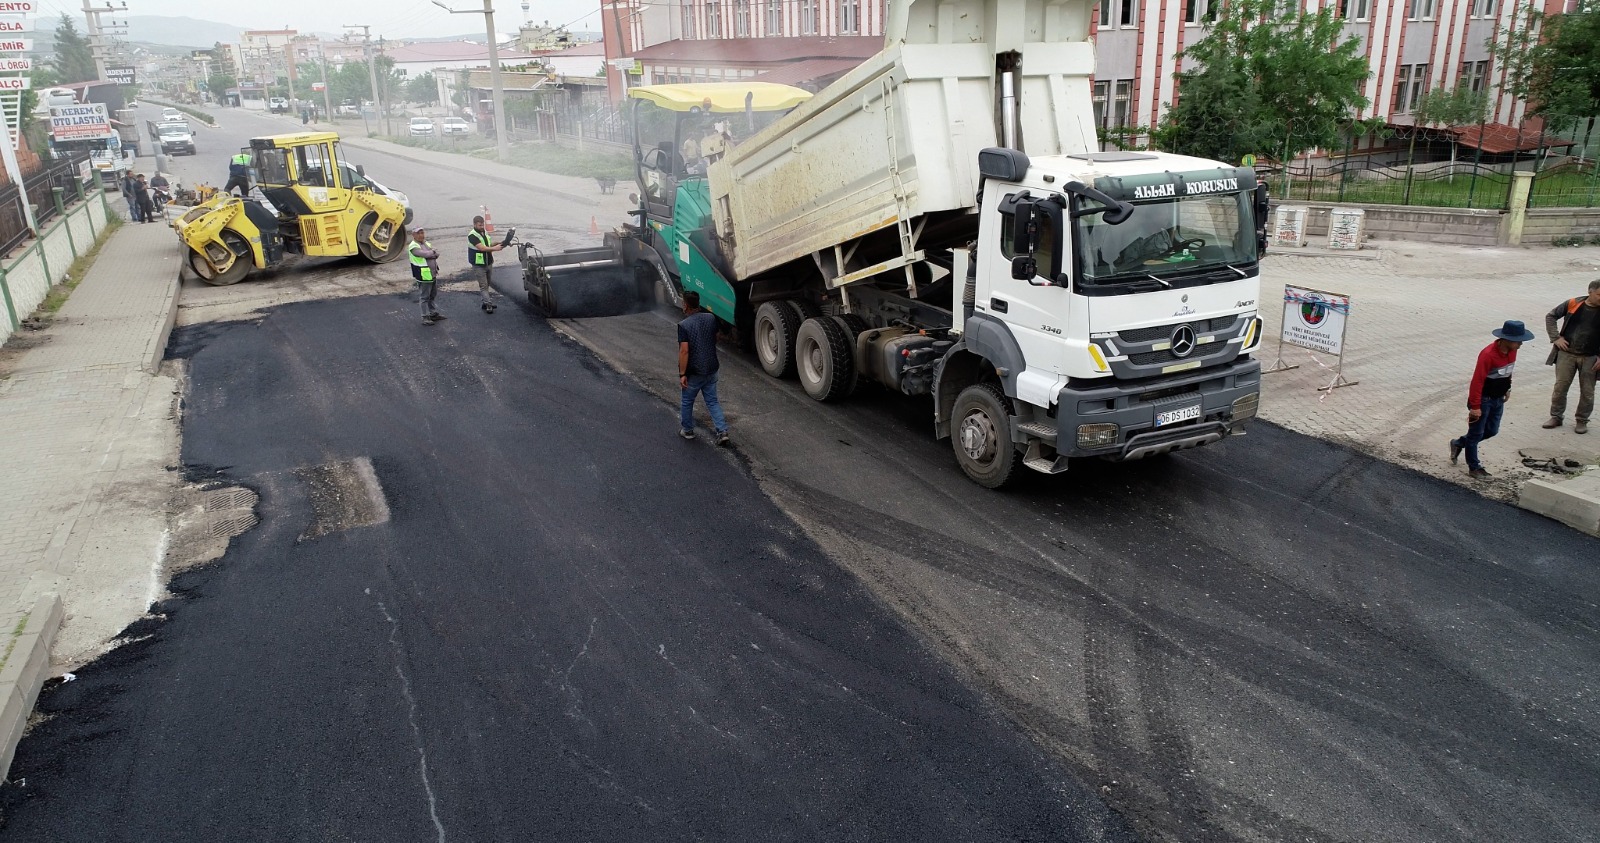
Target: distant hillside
(180, 32)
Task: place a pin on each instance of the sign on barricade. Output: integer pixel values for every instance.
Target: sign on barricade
(1315, 320)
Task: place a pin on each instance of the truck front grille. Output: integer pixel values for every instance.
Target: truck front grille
(1156, 333)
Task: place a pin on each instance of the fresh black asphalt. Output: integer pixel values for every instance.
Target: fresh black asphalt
(573, 626)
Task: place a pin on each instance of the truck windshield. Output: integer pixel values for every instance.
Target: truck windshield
(1168, 239)
(173, 130)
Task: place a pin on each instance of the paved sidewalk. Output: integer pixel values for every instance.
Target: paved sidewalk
(91, 438)
(1419, 315)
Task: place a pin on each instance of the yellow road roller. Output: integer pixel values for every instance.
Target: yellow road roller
(311, 209)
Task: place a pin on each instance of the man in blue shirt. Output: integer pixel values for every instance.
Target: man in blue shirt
(697, 367)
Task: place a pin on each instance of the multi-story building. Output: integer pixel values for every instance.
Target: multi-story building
(1411, 46)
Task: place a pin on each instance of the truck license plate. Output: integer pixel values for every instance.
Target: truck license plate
(1175, 416)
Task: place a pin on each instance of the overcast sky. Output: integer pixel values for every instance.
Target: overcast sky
(390, 18)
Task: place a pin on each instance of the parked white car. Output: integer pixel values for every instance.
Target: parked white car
(456, 126)
(354, 178)
(421, 127)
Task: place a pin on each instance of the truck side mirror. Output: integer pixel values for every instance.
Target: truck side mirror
(1263, 206)
(1022, 231)
(1024, 267)
(361, 171)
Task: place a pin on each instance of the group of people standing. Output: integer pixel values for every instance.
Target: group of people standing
(1573, 327)
(425, 267)
(697, 333)
(141, 205)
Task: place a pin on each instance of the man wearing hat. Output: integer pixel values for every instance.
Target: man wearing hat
(1486, 396)
(425, 269)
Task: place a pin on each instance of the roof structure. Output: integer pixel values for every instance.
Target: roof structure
(1500, 139)
(761, 50)
(809, 71)
(450, 51)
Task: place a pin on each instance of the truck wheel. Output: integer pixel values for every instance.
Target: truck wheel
(777, 327)
(825, 359)
(982, 436)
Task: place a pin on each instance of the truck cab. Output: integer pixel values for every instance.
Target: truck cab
(1115, 293)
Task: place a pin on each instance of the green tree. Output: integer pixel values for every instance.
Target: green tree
(1267, 77)
(73, 61)
(219, 83)
(423, 90)
(1564, 71)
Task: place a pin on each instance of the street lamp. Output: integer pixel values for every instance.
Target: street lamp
(502, 149)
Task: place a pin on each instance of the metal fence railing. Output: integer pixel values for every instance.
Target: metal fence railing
(62, 173)
(1572, 184)
(1440, 184)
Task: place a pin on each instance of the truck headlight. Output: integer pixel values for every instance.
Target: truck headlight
(1252, 335)
(1097, 435)
(1245, 408)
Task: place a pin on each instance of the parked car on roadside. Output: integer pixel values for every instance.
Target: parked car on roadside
(356, 177)
(456, 126)
(421, 127)
(278, 105)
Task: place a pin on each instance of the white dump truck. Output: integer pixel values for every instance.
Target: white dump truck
(939, 221)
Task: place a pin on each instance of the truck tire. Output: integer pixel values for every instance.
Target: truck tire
(825, 359)
(777, 327)
(981, 436)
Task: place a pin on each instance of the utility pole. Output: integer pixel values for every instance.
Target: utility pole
(497, 93)
(372, 66)
(288, 54)
(96, 35)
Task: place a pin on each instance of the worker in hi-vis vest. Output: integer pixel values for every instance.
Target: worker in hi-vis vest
(425, 268)
(239, 173)
(480, 253)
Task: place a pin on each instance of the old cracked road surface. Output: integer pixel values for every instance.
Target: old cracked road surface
(494, 597)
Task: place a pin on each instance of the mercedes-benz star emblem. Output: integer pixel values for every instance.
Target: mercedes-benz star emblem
(1182, 341)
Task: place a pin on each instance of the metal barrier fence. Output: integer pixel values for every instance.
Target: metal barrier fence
(1462, 184)
(1573, 184)
(14, 220)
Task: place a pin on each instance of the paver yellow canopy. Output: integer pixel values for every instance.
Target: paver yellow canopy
(310, 210)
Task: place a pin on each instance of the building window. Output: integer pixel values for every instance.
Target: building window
(1413, 81)
(1355, 10)
(1121, 103)
(688, 21)
(713, 18)
(1101, 89)
(1198, 11)
(1422, 9)
(808, 17)
(1123, 13)
(741, 18)
(849, 17)
(775, 18)
(1474, 74)
(1483, 8)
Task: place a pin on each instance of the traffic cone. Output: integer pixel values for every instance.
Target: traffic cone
(594, 227)
(488, 219)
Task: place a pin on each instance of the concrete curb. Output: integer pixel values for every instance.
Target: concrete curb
(156, 351)
(24, 673)
(1574, 501)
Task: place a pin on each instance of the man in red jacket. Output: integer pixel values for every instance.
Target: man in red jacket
(1486, 396)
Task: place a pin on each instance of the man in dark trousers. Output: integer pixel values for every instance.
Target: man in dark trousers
(238, 174)
(1486, 395)
(425, 269)
(480, 254)
(1574, 329)
(697, 368)
(130, 192)
(141, 194)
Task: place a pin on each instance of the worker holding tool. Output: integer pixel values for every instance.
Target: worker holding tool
(480, 253)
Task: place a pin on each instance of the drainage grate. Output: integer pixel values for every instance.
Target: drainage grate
(231, 525)
(230, 499)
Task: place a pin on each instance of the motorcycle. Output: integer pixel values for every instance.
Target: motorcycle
(159, 198)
